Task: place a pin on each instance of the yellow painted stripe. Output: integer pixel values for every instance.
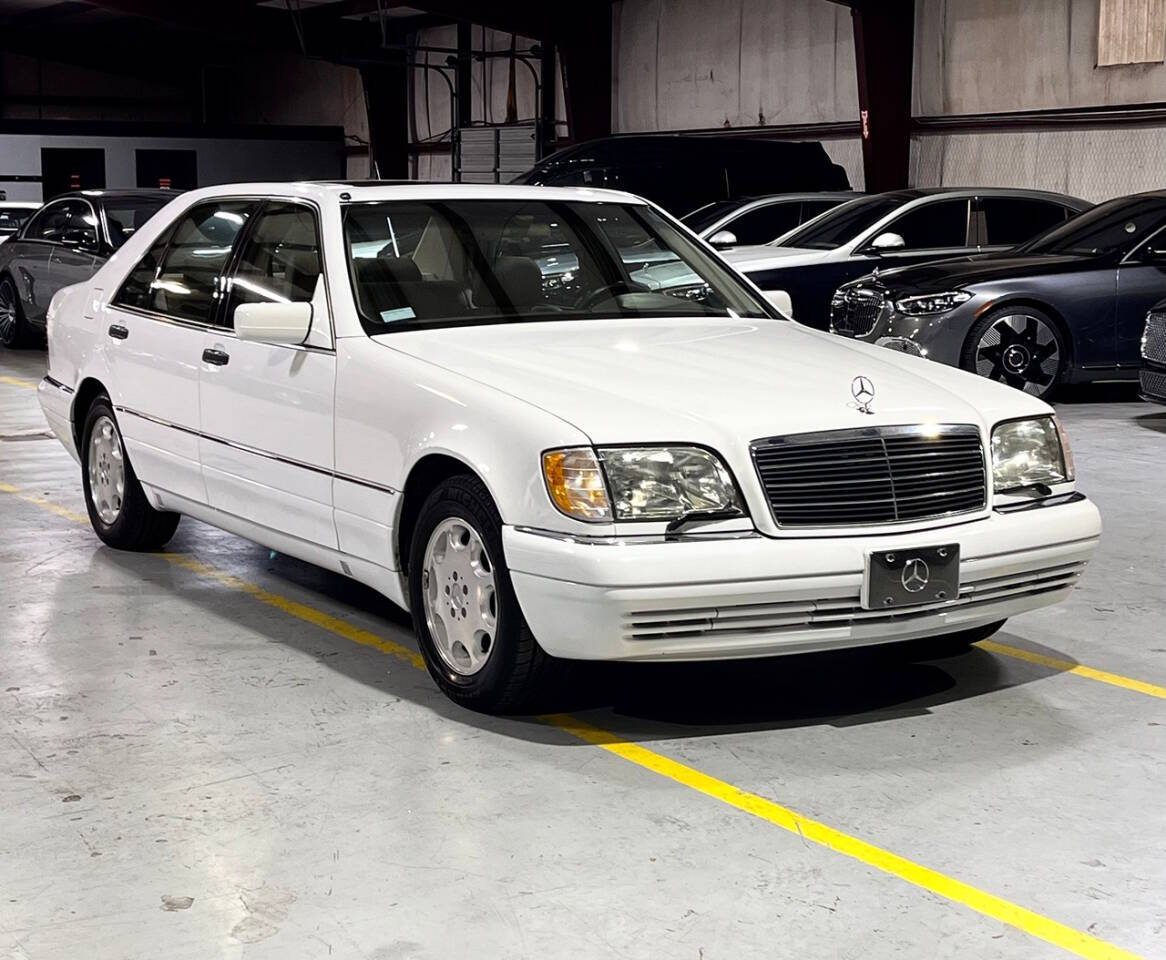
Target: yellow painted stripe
(1075, 941)
(17, 382)
(64, 512)
(1068, 666)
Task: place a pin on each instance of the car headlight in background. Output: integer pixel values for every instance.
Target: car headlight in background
(639, 483)
(932, 303)
(1029, 452)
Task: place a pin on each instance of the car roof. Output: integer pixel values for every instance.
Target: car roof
(365, 191)
(917, 193)
(117, 194)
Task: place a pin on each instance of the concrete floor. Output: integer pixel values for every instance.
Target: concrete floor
(219, 753)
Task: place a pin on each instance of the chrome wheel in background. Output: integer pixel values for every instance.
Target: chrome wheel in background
(106, 466)
(460, 596)
(9, 318)
(1021, 350)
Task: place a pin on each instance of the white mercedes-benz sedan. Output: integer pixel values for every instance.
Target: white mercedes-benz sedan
(381, 380)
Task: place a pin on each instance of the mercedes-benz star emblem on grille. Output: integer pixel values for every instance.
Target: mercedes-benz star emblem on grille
(916, 575)
(863, 392)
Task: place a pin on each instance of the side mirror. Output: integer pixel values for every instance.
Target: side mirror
(723, 238)
(781, 300)
(888, 241)
(273, 322)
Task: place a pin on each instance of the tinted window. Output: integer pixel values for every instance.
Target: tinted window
(1012, 220)
(1109, 228)
(843, 223)
(125, 215)
(495, 261)
(942, 223)
(709, 214)
(66, 221)
(185, 277)
(765, 223)
(280, 260)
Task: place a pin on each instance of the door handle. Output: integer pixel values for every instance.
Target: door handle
(118, 332)
(216, 357)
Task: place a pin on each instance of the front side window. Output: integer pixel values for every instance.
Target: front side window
(66, 221)
(941, 223)
(766, 223)
(179, 275)
(1111, 228)
(279, 261)
(843, 223)
(495, 261)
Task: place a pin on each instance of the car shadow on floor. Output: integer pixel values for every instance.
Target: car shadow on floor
(1153, 421)
(641, 702)
(1105, 391)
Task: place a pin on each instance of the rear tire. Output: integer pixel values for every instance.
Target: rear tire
(945, 645)
(479, 649)
(1020, 346)
(14, 329)
(118, 509)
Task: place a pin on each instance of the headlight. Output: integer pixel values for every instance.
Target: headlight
(639, 483)
(1027, 452)
(932, 303)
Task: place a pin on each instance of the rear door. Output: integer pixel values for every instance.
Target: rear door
(267, 409)
(155, 328)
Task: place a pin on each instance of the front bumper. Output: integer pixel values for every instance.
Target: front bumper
(708, 599)
(56, 401)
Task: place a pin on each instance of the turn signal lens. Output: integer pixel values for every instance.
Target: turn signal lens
(575, 483)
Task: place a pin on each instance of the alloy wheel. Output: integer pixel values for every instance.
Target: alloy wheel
(460, 596)
(1020, 350)
(7, 313)
(106, 465)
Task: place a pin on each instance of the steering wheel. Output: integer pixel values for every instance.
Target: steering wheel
(589, 300)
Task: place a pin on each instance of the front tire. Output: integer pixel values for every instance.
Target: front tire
(1020, 346)
(473, 636)
(118, 509)
(14, 330)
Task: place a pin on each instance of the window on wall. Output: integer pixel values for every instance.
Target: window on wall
(1131, 31)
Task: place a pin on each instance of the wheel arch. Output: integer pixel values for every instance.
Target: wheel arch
(1027, 300)
(88, 390)
(424, 476)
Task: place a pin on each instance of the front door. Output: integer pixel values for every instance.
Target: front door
(154, 330)
(1141, 283)
(77, 253)
(267, 409)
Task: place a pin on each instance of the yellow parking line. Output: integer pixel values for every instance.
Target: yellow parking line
(1075, 941)
(1068, 666)
(17, 382)
(1044, 928)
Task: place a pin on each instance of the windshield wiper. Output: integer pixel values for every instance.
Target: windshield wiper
(694, 516)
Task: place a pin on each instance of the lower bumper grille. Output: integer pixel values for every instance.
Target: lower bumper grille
(729, 622)
(1154, 383)
(1154, 338)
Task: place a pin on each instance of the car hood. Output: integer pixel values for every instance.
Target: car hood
(945, 275)
(717, 382)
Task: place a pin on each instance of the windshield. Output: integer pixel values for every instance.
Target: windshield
(842, 224)
(704, 217)
(444, 262)
(12, 217)
(125, 215)
(1109, 228)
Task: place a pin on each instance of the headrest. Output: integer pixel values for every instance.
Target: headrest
(521, 280)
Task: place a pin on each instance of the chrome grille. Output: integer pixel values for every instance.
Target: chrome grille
(1154, 338)
(874, 475)
(1154, 384)
(854, 311)
(740, 620)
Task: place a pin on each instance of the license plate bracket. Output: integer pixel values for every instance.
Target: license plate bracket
(907, 578)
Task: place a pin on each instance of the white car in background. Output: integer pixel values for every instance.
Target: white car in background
(596, 473)
(13, 213)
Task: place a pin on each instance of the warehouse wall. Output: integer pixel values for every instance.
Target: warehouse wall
(686, 63)
(989, 56)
